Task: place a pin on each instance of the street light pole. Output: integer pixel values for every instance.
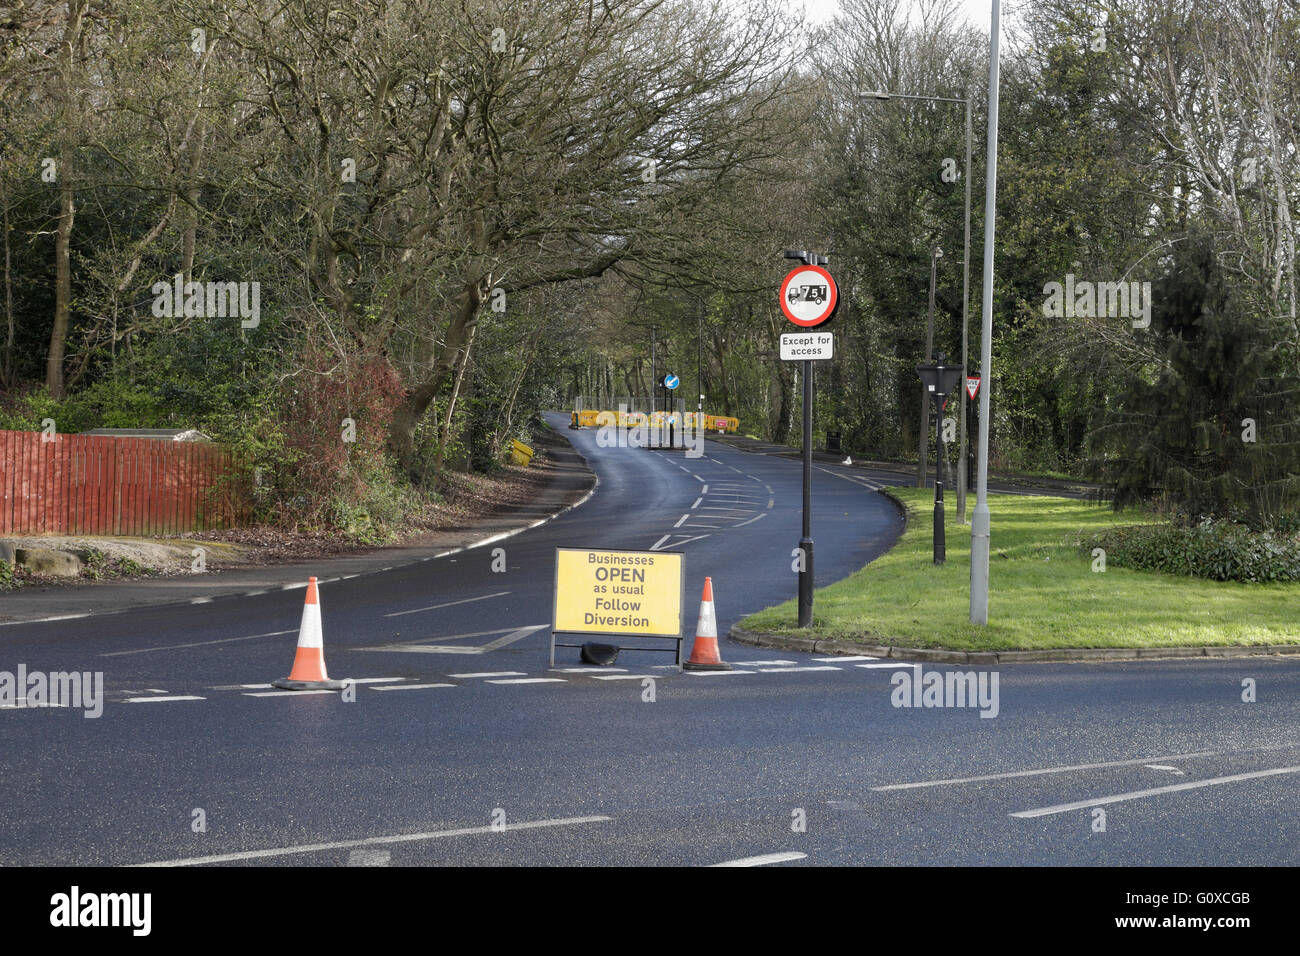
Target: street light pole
(980, 524)
(965, 335)
(965, 296)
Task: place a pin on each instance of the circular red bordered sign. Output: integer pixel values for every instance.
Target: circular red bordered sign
(808, 296)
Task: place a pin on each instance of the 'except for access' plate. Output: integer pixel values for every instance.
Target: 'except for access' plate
(807, 346)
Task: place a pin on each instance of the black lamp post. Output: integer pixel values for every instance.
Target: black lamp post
(939, 380)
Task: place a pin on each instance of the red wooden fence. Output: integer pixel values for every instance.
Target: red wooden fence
(95, 484)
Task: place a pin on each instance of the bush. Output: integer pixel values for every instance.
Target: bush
(1217, 550)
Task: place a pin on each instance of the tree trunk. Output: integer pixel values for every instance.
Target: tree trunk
(407, 415)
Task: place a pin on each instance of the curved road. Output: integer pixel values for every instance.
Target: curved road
(460, 746)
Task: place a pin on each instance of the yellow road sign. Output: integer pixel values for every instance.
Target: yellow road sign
(618, 592)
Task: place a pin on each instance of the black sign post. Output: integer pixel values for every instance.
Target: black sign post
(808, 299)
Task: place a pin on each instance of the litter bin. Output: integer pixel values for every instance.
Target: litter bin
(833, 442)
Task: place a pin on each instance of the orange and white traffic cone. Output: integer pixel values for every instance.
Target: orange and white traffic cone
(704, 652)
(309, 663)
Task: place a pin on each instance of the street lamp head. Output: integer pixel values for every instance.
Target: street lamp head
(819, 261)
(876, 95)
(800, 254)
(938, 253)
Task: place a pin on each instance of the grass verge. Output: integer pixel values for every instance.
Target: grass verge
(1043, 592)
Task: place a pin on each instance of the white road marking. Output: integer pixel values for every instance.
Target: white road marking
(787, 670)
(843, 660)
(1160, 766)
(763, 860)
(698, 478)
(201, 600)
(697, 503)
(763, 663)
(530, 680)
(622, 677)
(681, 521)
(1037, 773)
(704, 490)
(289, 693)
(375, 841)
(678, 544)
(1138, 794)
(414, 647)
(142, 700)
(176, 647)
(717, 673)
(901, 665)
(771, 502)
(374, 680)
(369, 858)
(490, 674)
(412, 686)
(589, 670)
(435, 607)
(752, 520)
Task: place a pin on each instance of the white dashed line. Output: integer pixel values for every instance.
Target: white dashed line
(843, 660)
(681, 521)
(143, 700)
(376, 841)
(622, 677)
(1013, 774)
(435, 607)
(530, 680)
(764, 860)
(1139, 794)
(589, 670)
(412, 686)
(289, 693)
(697, 503)
(489, 674)
(717, 673)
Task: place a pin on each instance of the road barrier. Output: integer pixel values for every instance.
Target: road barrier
(520, 454)
(593, 418)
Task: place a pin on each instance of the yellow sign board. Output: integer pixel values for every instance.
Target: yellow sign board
(618, 592)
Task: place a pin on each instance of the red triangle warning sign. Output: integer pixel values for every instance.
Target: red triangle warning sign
(972, 386)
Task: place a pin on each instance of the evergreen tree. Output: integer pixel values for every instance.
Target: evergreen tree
(1210, 429)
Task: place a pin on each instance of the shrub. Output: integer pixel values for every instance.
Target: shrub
(1217, 550)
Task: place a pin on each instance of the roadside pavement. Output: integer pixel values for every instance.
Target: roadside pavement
(571, 483)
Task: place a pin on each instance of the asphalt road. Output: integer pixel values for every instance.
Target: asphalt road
(462, 747)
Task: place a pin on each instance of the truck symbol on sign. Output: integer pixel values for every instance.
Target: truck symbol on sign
(807, 293)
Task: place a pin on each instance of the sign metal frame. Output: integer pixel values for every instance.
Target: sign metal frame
(675, 650)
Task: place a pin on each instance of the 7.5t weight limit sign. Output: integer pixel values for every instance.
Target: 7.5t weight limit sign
(808, 296)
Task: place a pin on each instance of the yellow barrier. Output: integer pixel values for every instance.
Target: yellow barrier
(592, 418)
(520, 454)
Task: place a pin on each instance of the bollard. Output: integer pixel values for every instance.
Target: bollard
(940, 543)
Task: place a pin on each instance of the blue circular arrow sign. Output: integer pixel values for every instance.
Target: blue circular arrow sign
(671, 381)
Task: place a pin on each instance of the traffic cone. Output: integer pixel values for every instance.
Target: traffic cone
(309, 663)
(704, 652)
